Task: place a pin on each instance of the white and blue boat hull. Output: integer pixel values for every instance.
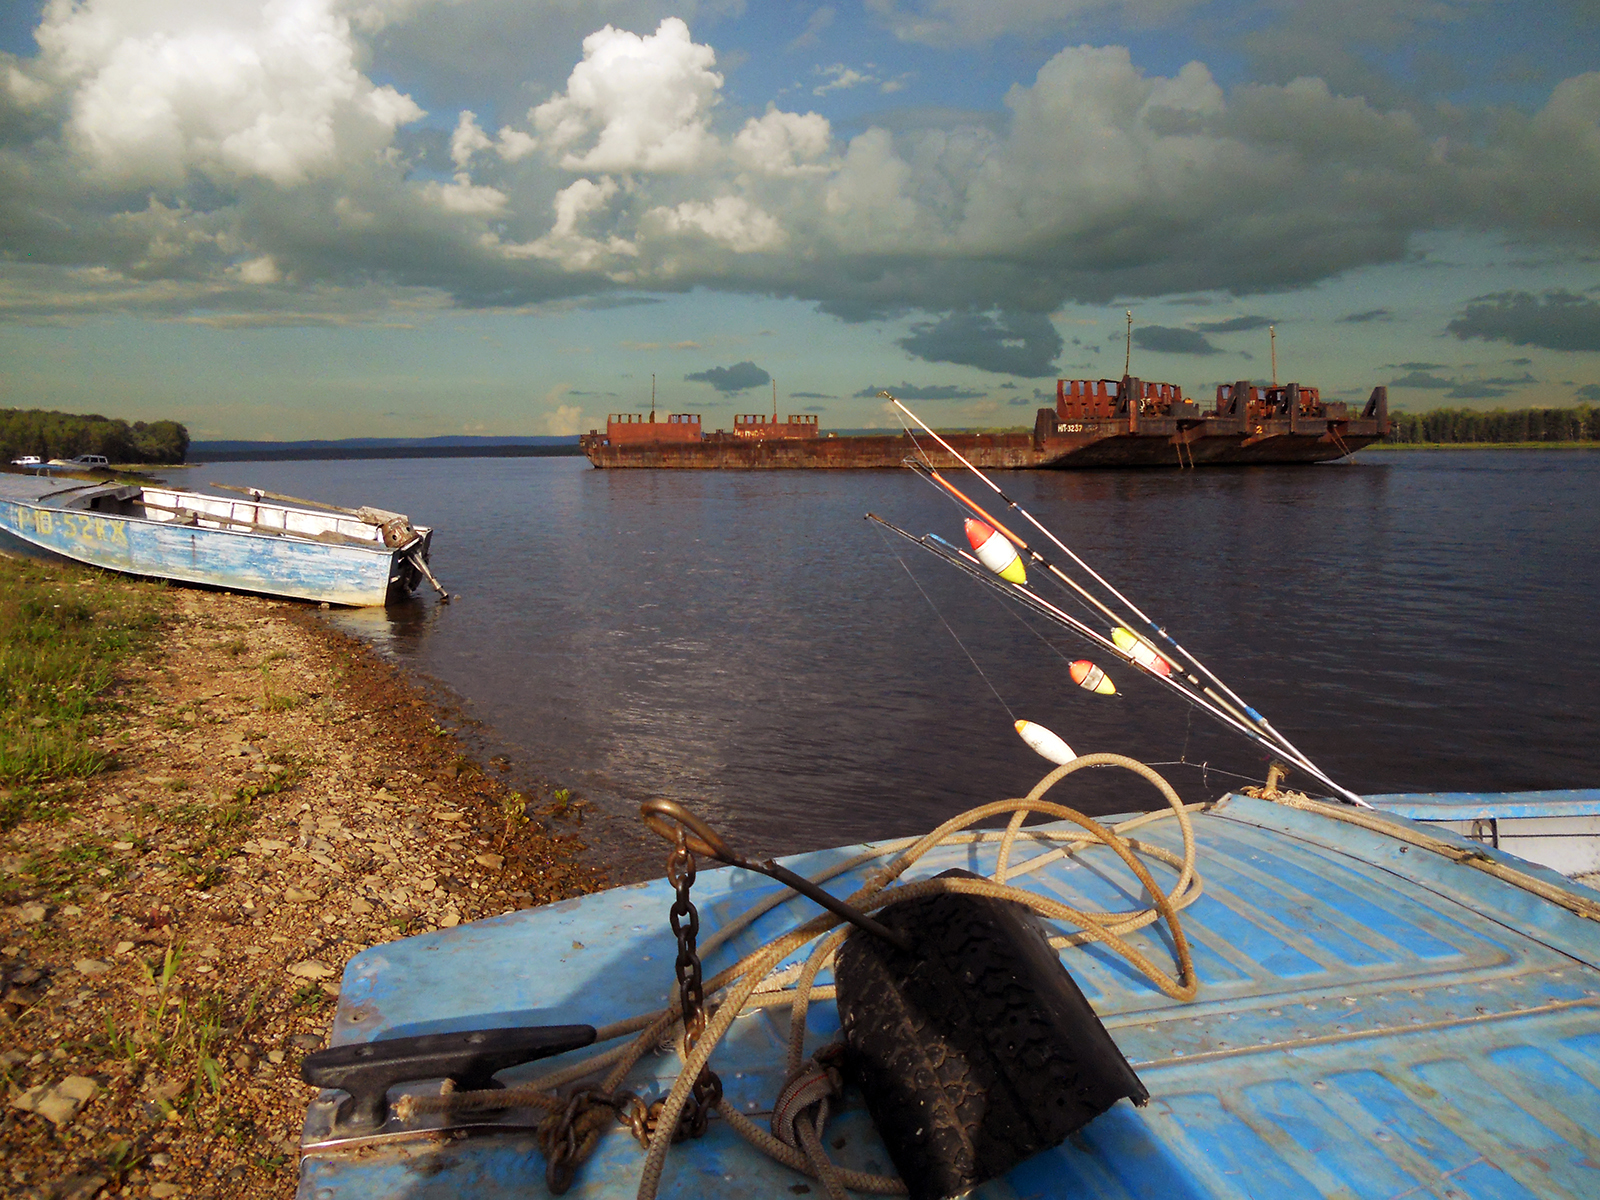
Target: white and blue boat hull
(57, 524)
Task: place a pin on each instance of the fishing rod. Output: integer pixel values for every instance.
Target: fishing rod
(1070, 553)
(1084, 594)
(1249, 715)
(1033, 601)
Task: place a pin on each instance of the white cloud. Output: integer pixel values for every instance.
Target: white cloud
(565, 421)
(464, 196)
(634, 103)
(841, 78)
(783, 143)
(467, 139)
(1100, 180)
(566, 244)
(260, 270)
(159, 88)
(731, 220)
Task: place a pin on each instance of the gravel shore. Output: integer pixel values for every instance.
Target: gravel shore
(174, 929)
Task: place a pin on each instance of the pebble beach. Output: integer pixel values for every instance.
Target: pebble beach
(173, 927)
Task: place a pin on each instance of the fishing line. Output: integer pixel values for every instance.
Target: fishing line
(1207, 699)
(1248, 718)
(946, 624)
(1206, 768)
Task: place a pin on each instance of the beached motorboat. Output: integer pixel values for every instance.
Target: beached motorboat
(359, 557)
(1349, 1003)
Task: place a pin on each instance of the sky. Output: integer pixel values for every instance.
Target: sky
(410, 218)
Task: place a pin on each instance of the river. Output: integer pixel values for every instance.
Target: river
(747, 643)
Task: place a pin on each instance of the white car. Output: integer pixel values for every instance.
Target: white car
(92, 460)
(27, 460)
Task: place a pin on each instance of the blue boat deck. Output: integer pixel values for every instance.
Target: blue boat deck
(1373, 1020)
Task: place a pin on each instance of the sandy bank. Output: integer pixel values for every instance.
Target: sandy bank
(172, 930)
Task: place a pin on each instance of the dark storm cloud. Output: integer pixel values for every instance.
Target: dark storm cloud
(1165, 339)
(1237, 324)
(1421, 379)
(1559, 320)
(1011, 343)
(1476, 391)
(920, 391)
(737, 378)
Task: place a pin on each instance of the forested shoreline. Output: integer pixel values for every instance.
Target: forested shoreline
(65, 435)
(1466, 426)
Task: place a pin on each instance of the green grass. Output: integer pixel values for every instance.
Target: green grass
(64, 631)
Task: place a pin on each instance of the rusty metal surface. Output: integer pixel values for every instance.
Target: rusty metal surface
(1373, 1021)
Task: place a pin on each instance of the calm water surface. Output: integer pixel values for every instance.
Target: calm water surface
(747, 643)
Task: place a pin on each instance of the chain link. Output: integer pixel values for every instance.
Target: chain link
(570, 1134)
(707, 1092)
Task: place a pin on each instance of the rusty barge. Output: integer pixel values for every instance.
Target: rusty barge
(1125, 422)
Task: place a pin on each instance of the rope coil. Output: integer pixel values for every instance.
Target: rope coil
(754, 982)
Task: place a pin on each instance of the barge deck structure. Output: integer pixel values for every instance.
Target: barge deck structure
(1095, 423)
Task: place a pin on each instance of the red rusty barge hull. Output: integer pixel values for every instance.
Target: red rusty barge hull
(1262, 426)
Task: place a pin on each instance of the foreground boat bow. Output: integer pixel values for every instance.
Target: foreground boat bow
(1371, 1018)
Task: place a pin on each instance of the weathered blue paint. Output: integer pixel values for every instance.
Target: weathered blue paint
(1374, 1020)
(1481, 806)
(43, 518)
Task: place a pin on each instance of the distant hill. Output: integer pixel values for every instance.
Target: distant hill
(434, 447)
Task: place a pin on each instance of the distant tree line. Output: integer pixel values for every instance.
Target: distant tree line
(1465, 425)
(66, 435)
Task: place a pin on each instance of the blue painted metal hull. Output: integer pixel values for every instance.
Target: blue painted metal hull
(235, 559)
(1372, 1020)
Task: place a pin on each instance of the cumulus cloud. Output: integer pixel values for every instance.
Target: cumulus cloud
(1558, 320)
(783, 143)
(173, 143)
(1016, 343)
(634, 103)
(738, 378)
(270, 91)
(566, 420)
(731, 220)
(1164, 339)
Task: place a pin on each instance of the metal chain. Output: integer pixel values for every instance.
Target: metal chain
(569, 1135)
(707, 1093)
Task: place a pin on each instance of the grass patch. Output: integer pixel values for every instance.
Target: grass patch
(25, 803)
(64, 631)
(178, 1036)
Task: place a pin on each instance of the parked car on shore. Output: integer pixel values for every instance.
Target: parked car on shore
(27, 460)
